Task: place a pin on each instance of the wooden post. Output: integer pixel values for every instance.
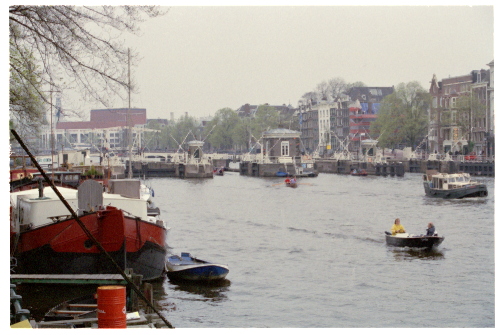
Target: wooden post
(136, 279)
(149, 294)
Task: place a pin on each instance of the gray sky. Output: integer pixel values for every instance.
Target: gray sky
(201, 59)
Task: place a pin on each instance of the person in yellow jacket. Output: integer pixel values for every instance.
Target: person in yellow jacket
(397, 228)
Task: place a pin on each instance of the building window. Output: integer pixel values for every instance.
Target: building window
(285, 148)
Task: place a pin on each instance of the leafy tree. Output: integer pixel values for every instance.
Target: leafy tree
(403, 116)
(152, 140)
(74, 48)
(355, 84)
(222, 129)
(25, 105)
(266, 117)
(179, 133)
(242, 134)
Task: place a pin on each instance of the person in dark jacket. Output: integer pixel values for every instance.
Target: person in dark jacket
(430, 231)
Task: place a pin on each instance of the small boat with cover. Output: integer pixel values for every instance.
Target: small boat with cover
(413, 241)
(188, 268)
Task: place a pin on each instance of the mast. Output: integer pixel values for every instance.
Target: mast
(130, 171)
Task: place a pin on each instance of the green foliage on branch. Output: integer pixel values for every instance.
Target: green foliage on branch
(403, 116)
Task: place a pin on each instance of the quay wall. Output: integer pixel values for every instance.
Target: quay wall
(265, 170)
(391, 167)
(169, 169)
(346, 166)
(400, 167)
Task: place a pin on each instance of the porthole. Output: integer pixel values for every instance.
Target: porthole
(88, 244)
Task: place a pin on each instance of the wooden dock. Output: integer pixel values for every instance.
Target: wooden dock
(109, 279)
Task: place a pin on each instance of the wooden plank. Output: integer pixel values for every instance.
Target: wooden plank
(140, 320)
(67, 276)
(68, 279)
(60, 311)
(83, 305)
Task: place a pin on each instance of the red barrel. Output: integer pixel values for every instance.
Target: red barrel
(111, 307)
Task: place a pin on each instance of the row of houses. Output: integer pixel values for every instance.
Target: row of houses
(447, 133)
(325, 126)
(342, 125)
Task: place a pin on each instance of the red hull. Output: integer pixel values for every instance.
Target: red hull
(63, 247)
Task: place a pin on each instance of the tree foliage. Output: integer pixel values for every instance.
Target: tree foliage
(225, 132)
(25, 106)
(221, 130)
(403, 116)
(331, 90)
(266, 118)
(71, 48)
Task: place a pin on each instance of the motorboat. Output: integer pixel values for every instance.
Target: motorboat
(188, 268)
(452, 186)
(413, 241)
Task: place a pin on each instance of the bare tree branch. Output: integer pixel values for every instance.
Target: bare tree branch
(75, 47)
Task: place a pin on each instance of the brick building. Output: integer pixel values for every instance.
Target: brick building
(476, 133)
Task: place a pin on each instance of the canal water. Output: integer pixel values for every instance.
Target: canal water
(315, 256)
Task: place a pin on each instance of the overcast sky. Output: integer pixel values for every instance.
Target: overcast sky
(201, 59)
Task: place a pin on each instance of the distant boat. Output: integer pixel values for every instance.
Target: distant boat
(413, 241)
(291, 182)
(452, 186)
(281, 174)
(188, 268)
(359, 172)
(218, 172)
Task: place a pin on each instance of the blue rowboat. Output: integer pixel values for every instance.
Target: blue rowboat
(188, 268)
